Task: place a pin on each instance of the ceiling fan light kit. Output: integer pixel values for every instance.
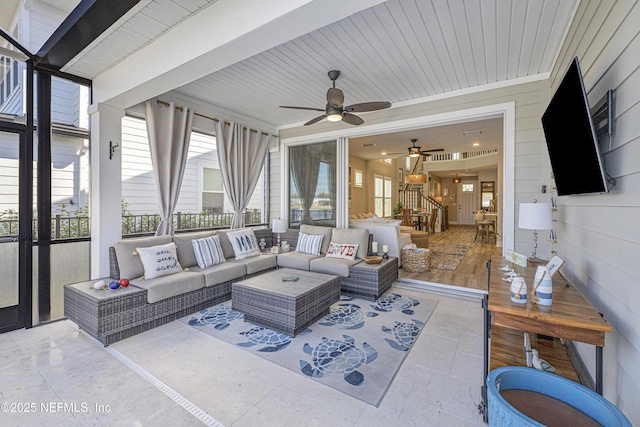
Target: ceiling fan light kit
(415, 151)
(335, 111)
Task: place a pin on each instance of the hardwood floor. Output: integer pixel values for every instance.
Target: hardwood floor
(472, 271)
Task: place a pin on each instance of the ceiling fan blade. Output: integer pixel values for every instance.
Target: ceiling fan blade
(335, 97)
(302, 108)
(352, 119)
(367, 106)
(316, 120)
(431, 151)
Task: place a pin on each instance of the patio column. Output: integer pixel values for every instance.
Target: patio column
(106, 184)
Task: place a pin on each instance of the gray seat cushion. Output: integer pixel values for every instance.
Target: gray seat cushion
(333, 266)
(319, 230)
(186, 254)
(170, 286)
(129, 264)
(256, 264)
(296, 260)
(225, 244)
(221, 273)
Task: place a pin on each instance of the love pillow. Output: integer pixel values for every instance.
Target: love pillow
(343, 250)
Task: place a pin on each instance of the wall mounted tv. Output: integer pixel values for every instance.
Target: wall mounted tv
(571, 138)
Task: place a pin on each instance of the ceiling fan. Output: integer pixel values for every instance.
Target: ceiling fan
(416, 151)
(335, 111)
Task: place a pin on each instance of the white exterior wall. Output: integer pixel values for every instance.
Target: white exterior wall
(599, 235)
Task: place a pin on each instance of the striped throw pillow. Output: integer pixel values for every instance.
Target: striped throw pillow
(309, 243)
(208, 251)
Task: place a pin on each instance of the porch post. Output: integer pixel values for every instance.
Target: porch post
(106, 184)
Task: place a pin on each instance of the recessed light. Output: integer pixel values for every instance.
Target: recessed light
(384, 153)
(472, 132)
(475, 144)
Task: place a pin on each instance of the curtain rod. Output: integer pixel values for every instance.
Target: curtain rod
(166, 104)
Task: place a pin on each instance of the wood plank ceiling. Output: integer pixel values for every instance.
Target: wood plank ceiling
(398, 51)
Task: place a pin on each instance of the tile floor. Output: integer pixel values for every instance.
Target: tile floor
(55, 375)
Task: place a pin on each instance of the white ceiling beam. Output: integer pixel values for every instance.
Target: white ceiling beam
(224, 33)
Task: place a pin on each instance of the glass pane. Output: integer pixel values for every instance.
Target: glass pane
(387, 207)
(378, 207)
(9, 144)
(387, 187)
(378, 182)
(467, 188)
(312, 184)
(211, 179)
(213, 203)
(62, 256)
(11, 72)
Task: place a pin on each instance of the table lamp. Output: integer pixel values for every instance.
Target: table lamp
(279, 226)
(535, 216)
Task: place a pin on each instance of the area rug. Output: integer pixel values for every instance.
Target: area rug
(446, 256)
(357, 348)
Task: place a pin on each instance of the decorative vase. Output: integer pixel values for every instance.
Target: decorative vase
(518, 290)
(542, 286)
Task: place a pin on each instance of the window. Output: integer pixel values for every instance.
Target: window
(382, 195)
(467, 188)
(212, 191)
(407, 163)
(357, 178)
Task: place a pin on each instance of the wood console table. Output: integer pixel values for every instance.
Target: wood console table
(570, 317)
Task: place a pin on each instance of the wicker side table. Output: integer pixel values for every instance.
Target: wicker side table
(369, 281)
(418, 261)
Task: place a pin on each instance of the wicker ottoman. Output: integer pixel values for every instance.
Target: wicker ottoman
(418, 261)
(420, 238)
(287, 307)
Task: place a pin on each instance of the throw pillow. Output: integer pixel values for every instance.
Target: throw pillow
(159, 260)
(309, 243)
(208, 251)
(244, 243)
(343, 250)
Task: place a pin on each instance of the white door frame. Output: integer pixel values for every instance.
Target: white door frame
(506, 111)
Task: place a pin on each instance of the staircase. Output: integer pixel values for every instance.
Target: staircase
(412, 197)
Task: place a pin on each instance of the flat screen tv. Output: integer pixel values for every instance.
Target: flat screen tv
(571, 138)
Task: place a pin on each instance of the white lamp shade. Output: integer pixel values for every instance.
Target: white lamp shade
(535, 216)
(279, 226)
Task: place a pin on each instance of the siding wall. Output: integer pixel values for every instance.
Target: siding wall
(532, 168)
(599, 235)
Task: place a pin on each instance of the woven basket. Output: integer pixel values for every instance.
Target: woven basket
(417, 262)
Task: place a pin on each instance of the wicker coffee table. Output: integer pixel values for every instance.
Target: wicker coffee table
(287, 307)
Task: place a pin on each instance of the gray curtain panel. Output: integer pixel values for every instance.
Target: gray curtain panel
(304, 162)
(169, 130)
(241, 154)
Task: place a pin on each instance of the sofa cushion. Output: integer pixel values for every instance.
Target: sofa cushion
(186, 257)
(309, 243)
(297, 260)
(316, 230)
(221, 273)
(227, 247)
(130, 265)
(244, 243)
(333, 266)
(256, 264)
(161, 260)
(352, 235)
(165, 287)
(342, 250)
(208, 251)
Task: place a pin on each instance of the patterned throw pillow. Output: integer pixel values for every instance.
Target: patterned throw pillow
(309, 243)
(208, 251)
(159, 260)
(343, 250)
(244, 243)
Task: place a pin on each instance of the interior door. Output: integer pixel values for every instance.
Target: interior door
(467, 202)
(13, 298)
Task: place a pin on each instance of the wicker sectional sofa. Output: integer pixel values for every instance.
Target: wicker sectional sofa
(145, 304)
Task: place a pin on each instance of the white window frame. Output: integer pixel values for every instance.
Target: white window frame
(358, 178)
(386, 182)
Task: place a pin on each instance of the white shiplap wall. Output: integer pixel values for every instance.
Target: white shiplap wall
(599, 235)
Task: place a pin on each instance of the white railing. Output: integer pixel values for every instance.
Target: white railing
(459, 156)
